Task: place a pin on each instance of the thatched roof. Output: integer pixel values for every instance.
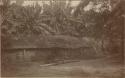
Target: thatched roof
(49, 42)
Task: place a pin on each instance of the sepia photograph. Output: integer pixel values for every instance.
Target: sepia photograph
(62, 38)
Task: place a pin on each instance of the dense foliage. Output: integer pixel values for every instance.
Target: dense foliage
(59, 18)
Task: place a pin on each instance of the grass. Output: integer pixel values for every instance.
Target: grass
(84, 69)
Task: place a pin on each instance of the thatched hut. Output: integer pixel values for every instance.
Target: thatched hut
(49, 47)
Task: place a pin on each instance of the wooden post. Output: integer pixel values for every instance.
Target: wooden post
(24, 54)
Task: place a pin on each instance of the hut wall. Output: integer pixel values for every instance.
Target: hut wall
(48, 54)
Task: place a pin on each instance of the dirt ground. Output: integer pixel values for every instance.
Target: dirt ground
(82, 69)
